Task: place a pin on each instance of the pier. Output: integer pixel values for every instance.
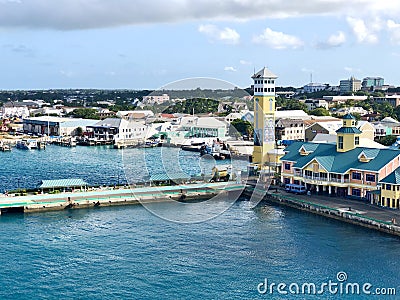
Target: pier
(345, 210)
(115, 197)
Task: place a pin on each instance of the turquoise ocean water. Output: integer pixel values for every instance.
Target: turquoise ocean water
(130, 253)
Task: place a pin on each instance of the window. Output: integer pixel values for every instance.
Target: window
(287, 166)
(370, 178)
(340, 143)
(388, 187)
(287, 180)
(308, 173)
(356, 192)
(357, 140)
(356, 175)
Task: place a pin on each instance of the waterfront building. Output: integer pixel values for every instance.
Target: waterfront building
(351, 85)
(202, 127)
(390, 190)
(55, 126)
(113, 130)
(342, 169)
(264, 115)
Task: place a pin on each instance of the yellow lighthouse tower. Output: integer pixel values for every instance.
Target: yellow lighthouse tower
(264, 115)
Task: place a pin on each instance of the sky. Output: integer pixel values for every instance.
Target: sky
(137, 44)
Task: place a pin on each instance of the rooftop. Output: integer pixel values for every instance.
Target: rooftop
(338, 162)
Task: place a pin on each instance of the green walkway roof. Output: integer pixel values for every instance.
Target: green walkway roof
(169, 176)
(62, 183)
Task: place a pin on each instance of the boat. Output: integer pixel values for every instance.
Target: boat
(193, 147)
(151, 144)
(27, 144)
(5, 147)
(215, 151)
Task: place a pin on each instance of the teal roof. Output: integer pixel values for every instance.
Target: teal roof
(62, 183)
(310, 147)
(169, 176)
(326, 161)
(339, 162)
(354, 130)
(393, 178)
(370, 153)
(349, 117)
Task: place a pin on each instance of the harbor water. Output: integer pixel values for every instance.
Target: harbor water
(98, 165)
(130, 253)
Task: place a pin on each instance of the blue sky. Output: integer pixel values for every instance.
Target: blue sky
(147, 44)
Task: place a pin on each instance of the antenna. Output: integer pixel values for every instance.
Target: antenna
(311, 77)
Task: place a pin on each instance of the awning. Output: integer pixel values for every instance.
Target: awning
(62, 183)
(169, 176)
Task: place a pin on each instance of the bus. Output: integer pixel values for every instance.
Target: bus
(295, 188)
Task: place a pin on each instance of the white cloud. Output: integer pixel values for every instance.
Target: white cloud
(245, 62)
(230, 69)
(278, 40)
(83, 14)
(394, 31)
(361, 31)
(336, 40)
(226, 35)
(352, 70)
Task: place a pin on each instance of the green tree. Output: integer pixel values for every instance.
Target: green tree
(84, 113)
(386, 140)
(320, 111)
(241, 126)
(79, 131)
(291, 104)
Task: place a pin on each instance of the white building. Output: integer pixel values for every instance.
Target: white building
(135, 114)
(203, 127)
(316, 103)
(15, 109)
(55, 126)
(314, 87)
(233, 116)
(115, 130)
(351, 110)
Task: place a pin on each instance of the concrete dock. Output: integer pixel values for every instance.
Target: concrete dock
(347, 210)
(113, 197)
